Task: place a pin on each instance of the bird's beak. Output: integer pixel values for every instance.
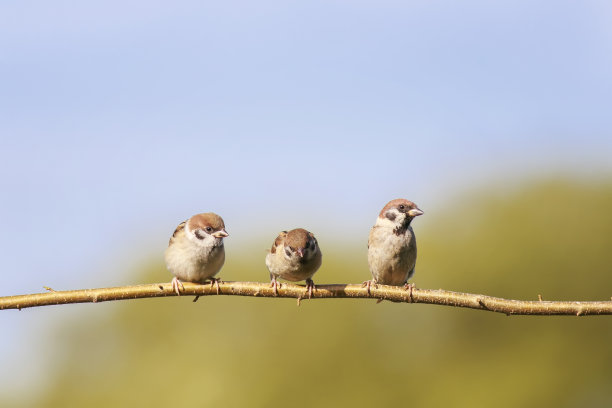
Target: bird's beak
(300, 252)
(220, 234)
(415, 212)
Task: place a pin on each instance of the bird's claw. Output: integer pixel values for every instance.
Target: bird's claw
(310, 288)
(368, 284)
(409, 287)
(215, 282)
(176, 284)
(275, 284)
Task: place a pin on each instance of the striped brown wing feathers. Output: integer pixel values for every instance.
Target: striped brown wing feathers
(279, 240)
(177, 231)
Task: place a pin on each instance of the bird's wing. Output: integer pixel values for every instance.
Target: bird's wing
(177, 231)
(278, 241)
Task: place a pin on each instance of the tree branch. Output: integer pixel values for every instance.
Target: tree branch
(289, 290)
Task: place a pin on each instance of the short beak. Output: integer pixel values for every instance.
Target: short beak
(415, 212)
(300, 252)
(220, 234)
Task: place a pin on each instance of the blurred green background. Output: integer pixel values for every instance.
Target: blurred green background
(550, 238)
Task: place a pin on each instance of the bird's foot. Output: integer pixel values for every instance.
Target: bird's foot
(176, 284)
(274, 284)
(215, 282)
(310, 288)
(409, 287)
(368, 284)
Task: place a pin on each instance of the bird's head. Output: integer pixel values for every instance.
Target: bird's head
(206, 230)
(400, 212)
(300, 244)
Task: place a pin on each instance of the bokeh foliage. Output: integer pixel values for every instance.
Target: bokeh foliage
(552, 238)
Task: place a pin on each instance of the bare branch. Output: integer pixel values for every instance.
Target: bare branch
(288, 290)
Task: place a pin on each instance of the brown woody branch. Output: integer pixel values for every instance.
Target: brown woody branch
(288, 290)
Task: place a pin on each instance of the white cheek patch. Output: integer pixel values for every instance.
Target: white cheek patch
(385, 222)
(209, 240)
(191, 235)
(310, 251)
(201, 238)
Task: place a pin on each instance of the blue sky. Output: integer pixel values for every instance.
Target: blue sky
(120, 119)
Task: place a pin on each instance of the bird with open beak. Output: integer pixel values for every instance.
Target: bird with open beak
(392, 249)
(294, 256)
(195, 252)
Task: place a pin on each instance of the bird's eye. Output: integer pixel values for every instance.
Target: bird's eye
(208, 229)
(402, 207)
(307, 245)
(287, 252)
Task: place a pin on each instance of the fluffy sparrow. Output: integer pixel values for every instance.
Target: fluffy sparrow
(294, 256)
(195, 252)
(392, 247)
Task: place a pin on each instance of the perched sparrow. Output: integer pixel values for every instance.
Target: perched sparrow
(392, 247)
(294, 256)
(195, 252)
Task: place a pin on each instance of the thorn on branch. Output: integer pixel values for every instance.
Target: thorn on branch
(49, 289)
(539, 297)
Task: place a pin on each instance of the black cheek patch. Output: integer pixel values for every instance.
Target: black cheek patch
(390, 215)
(198, 234)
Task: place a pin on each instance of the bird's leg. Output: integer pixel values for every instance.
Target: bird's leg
(176, 284)
(310, 287)
(274, 284)
(215, 282)
(368, 284)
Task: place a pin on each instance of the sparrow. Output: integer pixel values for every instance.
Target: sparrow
(195, 252)
(392, 247)
(294, 256)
